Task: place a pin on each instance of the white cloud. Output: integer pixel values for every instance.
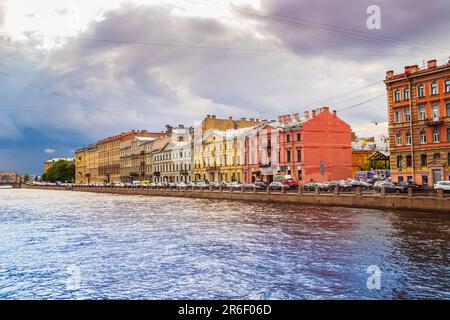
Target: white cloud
(49, 151)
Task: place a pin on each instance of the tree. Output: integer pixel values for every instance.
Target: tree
(26, 177)
(62, 171)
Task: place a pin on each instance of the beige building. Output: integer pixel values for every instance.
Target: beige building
(109, 154)
(86, 163)
(136, 159)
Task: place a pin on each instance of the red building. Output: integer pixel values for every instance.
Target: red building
(419, 123)
(312, 148)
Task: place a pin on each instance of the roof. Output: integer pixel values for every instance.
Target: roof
(58, 159)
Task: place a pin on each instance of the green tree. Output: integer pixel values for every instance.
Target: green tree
(62, 171)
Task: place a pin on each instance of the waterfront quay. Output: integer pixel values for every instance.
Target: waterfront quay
(425, 201)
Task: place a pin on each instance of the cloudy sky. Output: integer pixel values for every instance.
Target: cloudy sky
(72, 72)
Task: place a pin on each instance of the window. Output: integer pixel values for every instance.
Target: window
(299, 155)
(408, 161)
(288, 138)
(447, 86)
(299, 136)
(423, 160)
(436, 156)
(409, 178)
(397, 95)
(421, 91)
(434, 88)
(288, 156)
(400, 179)
(422, 113)
(408, 138)
(399, 161)
(424, 179)
(423, 137)
(407, 115)
(447, 107)
(399, 139)
(398, 116)
(435, 111)
(448, 137)
(436, 135)
(406, 94)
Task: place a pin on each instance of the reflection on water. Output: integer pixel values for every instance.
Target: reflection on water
(132, 247)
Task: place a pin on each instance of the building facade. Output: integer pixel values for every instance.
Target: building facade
(81, 166)
(172, 156)
(9, 177)
(109, 154)
(316, 148)
(136, 159)
(218, 148)
(363, 150)
(419, 123)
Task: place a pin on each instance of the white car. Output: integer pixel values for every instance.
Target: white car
(445, 185)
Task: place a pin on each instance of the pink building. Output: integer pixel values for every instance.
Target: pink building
(316, 147)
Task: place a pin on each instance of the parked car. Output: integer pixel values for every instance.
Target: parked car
(276, 185)
(404, 185)
(445, 185)
(235, 185)
(259, 184)
(181, 184)
(202, 183)
(311, 186)
(214, 184)
(388, 186)
(361, 184)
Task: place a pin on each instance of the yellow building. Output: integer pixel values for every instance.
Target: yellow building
(80, 165)
(86, 165)
(51, 162)
(218, 148)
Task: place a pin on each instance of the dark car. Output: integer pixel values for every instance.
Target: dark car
(276, 185)
(388, 187)
(260, 184)
(403, 186)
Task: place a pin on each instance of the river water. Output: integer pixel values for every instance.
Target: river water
(76, 245)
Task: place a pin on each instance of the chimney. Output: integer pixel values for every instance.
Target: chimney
(389, 74)
(208, 116)
(252, 119)
(306, 115)
(411, 69)
(230, 118)
(244, 119)
(334, 113)
(313, 113)
(288, 117)
(213, 116)
(181, 126)
(280, 118)
(296, 117)
(432, 64)
(326, 109)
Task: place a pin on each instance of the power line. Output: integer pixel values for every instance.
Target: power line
(261, 14)
(361, 103)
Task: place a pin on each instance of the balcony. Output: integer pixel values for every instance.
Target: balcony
(434, 121)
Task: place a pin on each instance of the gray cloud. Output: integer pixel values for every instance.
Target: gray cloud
(110, 87)
(413, 21)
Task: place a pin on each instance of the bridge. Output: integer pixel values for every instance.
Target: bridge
(15, 185)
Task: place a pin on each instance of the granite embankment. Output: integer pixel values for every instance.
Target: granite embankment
(437, 203)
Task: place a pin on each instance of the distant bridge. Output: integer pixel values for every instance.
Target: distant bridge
(12, 184)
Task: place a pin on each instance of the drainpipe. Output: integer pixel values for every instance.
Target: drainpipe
(411, 129)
